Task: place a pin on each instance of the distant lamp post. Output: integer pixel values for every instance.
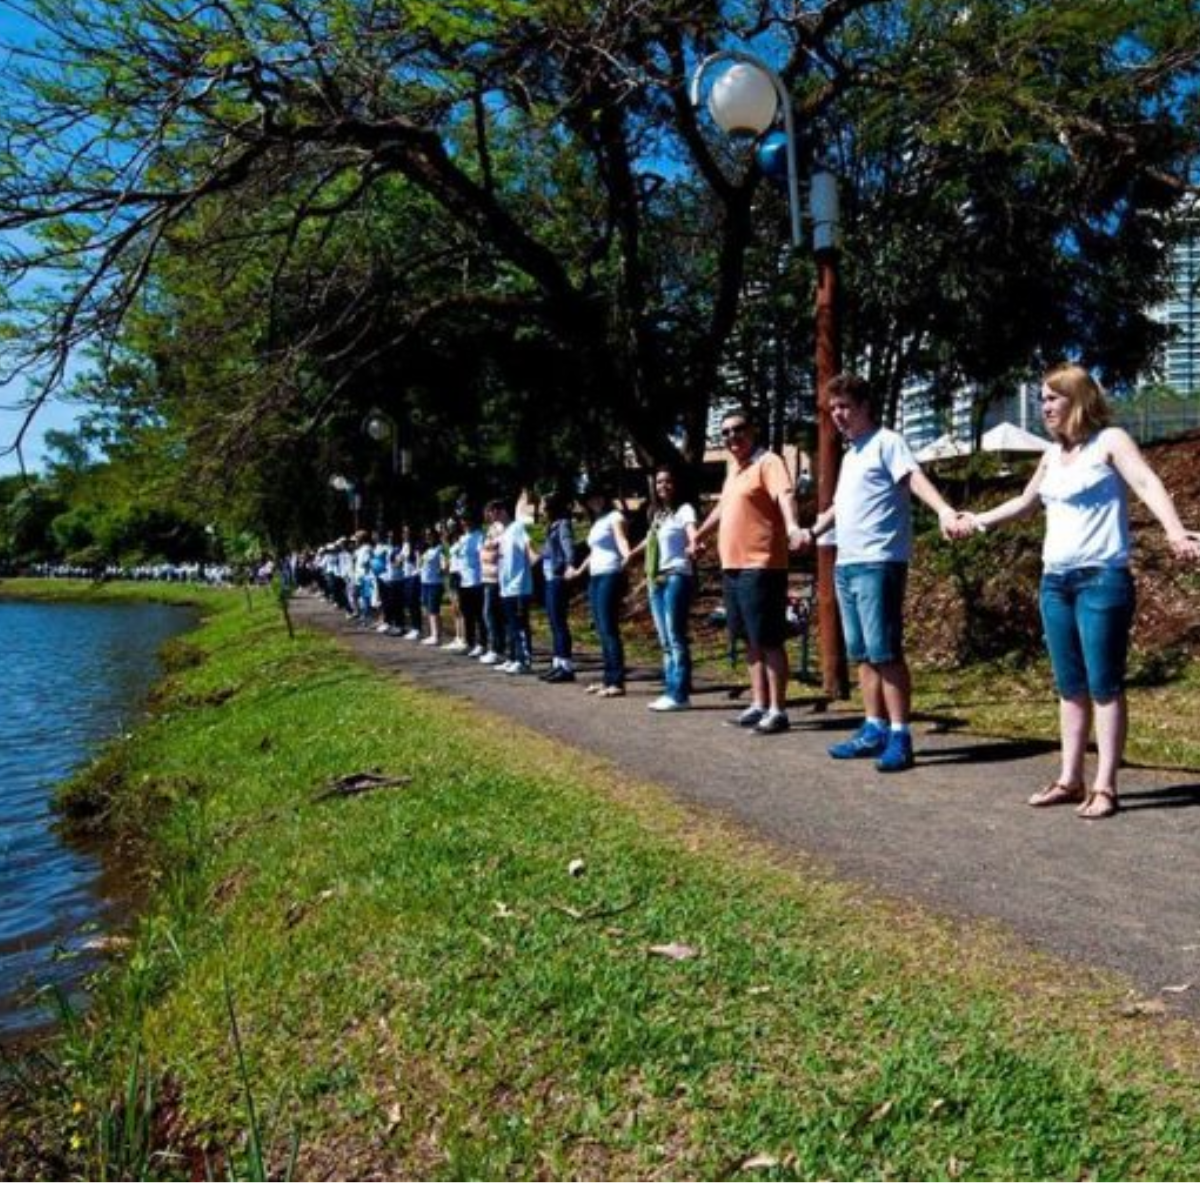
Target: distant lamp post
(340, 483)
(745, 99)
(379, 427)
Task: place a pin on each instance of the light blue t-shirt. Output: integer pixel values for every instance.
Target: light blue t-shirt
(469, 565)
(872, 505)
(432, 563)
(516, 571)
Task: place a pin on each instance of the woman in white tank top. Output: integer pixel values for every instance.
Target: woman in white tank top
(1087, 591)
(608, 548)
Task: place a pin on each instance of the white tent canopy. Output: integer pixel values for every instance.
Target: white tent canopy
(1007, 437)
(947, 446)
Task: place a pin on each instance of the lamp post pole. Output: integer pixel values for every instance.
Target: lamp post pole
(823, 204)
(746, 98)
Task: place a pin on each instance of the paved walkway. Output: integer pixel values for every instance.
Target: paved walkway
(953, 834)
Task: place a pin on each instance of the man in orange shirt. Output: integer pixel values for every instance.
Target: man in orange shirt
(757, 519)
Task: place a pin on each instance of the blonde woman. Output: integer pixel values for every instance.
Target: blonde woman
(1087, 590)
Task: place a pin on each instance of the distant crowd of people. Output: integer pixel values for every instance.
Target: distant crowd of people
(481, 569)
(214, 574)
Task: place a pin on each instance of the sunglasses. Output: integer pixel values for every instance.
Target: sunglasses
(731, 431)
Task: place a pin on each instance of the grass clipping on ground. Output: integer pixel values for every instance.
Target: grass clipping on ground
(514, 963)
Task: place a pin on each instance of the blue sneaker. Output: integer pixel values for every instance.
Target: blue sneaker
(869, 742)
(899, 753)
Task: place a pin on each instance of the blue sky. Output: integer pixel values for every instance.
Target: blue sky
(18, 30)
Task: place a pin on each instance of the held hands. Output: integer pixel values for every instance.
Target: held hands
(801, 539)
(960, 525)
(1186, 546)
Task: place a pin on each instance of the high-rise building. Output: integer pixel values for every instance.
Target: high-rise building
(1180, 367)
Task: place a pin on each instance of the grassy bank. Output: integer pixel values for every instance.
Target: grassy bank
(412, 981)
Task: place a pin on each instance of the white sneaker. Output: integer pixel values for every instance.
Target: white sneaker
(518, 668)
(490, 659)
(502, 665)
(667, 704)
(475, 652)
(382, 627)
(429, 641)
(412, 635)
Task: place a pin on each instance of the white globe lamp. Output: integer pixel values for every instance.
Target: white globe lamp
(743, 100)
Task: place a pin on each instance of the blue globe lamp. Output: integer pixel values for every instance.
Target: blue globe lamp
(771, 154)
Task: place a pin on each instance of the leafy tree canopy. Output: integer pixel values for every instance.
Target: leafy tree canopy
(503, 225)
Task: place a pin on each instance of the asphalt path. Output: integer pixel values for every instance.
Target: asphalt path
(953, 834)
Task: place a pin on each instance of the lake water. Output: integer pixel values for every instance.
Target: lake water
(71, 677)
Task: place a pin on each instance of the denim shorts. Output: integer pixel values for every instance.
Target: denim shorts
(431, 598)
(1087, 614)
(756, 606)
(871, 602)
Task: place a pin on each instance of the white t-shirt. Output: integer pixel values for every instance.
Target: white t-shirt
(602, 543)
(872, 505)
(673, 540)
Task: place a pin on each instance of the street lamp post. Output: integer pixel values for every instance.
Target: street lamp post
(746, 99)
(340, 483)
(381, 428)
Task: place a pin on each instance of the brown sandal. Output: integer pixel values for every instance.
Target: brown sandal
(1100, 803)
(1058, 793)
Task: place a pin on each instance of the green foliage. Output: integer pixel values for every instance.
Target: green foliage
(502, 225)
(421, 959)
(999, 617)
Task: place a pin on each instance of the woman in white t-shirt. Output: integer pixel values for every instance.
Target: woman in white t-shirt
(608, 548)
(1087, 591)
(433, 570)
(669, 547)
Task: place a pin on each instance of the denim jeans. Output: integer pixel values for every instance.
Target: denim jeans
(412, 601)
(604, 594)
(1086, 615)
(470, 604)
(494, 620)
(556, 615)
(516, 620)
(670, 604)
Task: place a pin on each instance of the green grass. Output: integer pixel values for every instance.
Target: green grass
(410, 983)
(1006, 701)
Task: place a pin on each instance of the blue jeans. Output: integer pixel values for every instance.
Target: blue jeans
(412, 601)
(604, 594)
(516, 620)
(670, 603)
(556, 615)
(494, 620)
(1087, 614)
(871, 601)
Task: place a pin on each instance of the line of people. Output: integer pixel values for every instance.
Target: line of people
(485, 574)
(1087, 594)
